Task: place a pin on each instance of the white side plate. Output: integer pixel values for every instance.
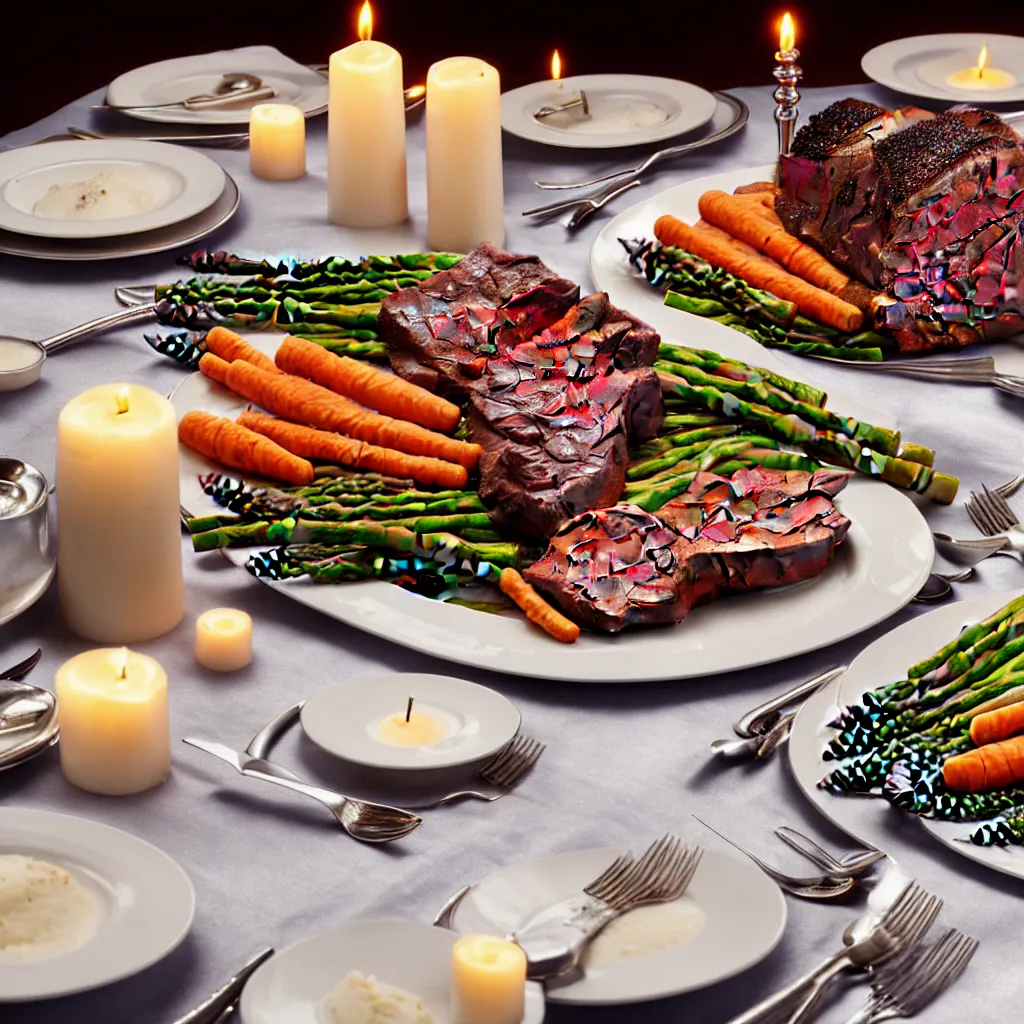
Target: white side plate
(146, 902)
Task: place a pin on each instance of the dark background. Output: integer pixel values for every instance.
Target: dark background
(77, 47)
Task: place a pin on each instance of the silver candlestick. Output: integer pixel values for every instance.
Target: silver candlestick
(787, 73)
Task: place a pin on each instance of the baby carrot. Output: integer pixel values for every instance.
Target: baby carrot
(229, 346)
(536, 609)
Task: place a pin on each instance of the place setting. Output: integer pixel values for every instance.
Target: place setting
(430, 608)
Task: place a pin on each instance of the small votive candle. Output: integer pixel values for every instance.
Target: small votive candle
(224, 639)
(488, 981)
(114, 727)
(277, 142)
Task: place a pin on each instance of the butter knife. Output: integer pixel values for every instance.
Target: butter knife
(211, 1010)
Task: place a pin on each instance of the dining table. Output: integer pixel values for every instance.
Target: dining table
(624, 762)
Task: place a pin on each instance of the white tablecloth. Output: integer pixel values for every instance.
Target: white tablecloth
(623, 763)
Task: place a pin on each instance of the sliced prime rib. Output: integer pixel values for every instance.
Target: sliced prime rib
(617, 567)
(554, 389)
(929, 210)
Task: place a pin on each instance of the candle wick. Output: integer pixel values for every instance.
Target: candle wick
(408, 709)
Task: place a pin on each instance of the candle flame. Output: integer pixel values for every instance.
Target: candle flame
(414, 92)
(787, 34)
(366, 21)
(556, 65)
(982, 60)
(122, 400)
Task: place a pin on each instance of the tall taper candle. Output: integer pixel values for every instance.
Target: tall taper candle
(465, 194)
(366, 184)
(118, 525)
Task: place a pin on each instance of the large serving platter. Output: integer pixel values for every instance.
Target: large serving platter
(888, 658)
(612, 273)
(884, 561)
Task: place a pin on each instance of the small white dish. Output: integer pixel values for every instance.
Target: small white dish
(919, 65)
(170, 81)
(146, 902)
(476, 722)
(745, 916)
(183, 183)
(625, 110)
(291, 988)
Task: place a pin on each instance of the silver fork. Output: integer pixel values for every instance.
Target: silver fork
(368, 822)
(909, 984)
(554, 939)
(990, 512)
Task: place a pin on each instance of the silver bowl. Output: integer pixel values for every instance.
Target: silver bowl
(27, 556)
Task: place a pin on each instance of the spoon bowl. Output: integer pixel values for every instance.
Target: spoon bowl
(21, 363)
(28, 722)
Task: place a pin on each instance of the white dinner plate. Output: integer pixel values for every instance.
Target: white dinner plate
(884, 561)
(170, 81)
(476, 720)
(625, 110)
(291, 987)
(145, 900)
(744, 918)
(919, 65)
(886, 660)
(120, 247)
(180, 182)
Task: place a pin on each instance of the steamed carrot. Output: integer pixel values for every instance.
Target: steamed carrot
(236, 446)
(722, 250)
(536, 609)
(214, 367)
(992, 726)
(766, 234)
(369, 385)
(302, 401)
(229, 346)
(322, 444)
(989, 767)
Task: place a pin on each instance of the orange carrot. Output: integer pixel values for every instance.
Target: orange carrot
(734, 215)
(999, 724)
(229, 346)
(321, 444)
(236, 446)
(989, 767)
(214, 367)
(536, 609)
(302, 401)
(722, 250)
(369, 385)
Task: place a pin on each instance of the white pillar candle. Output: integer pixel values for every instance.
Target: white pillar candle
(277, 142)
(465, 194)
(224, 639)
(366, 183)
(488, 981)
(114, 730)
(118, 525)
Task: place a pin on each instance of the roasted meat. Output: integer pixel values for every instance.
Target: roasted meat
(616, 567)
(554, 389)
(927, 209)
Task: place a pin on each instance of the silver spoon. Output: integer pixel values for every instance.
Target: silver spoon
(758, 746)
(938, 587)
(28, 722)
(230, 88)
(850, 867)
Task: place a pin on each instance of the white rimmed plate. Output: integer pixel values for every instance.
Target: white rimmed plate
(77, 249)
(476, 720)
(887, 659)
(744, 918)
(919, 65)
(881, 565)
(146, 902)
(182, 184)
(291, 987)
(625, 110)
(170, 81)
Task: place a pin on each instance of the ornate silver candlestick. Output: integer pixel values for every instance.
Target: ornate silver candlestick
(787, 73)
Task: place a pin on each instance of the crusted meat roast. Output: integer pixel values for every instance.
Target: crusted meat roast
(554, 389)
(927, 209)
(616, 567)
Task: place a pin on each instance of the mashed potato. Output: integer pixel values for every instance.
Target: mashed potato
(365, 1000)
(44, 911)
(121, 192)
(645, 931)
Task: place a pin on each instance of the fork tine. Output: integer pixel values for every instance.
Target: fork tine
(608, 878)
(919, 977)
(507, 753)
(1000, 504)
(1011, 486)
(996, 509)
(977, 517)
(981, 515)
(513, 767)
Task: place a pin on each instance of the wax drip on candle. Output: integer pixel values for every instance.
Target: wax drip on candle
(122, 401)
(408, 709)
